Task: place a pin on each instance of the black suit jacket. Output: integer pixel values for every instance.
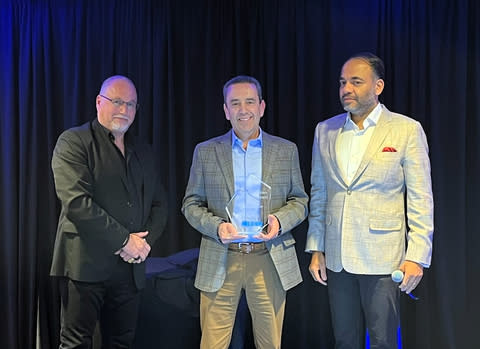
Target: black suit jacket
(95, 203)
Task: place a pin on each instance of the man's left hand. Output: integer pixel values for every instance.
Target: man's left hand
(413, 273)
(273, 228)
(128, 258)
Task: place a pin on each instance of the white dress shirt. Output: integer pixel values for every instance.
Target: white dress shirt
(353, 141)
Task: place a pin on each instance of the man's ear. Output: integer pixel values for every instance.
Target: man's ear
(379, 85)
(227, 113)
(263, 105)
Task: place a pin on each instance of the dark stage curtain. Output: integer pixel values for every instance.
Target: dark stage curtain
(55, 54)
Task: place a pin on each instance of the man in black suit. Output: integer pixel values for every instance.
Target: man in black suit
(113, 209)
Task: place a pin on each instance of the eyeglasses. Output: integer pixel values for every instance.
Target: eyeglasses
(117, 102)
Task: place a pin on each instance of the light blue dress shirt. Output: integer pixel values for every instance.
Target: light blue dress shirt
(247, 173)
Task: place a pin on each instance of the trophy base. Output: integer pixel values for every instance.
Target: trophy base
(249, 236)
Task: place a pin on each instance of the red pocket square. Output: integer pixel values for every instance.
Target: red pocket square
(389, 150)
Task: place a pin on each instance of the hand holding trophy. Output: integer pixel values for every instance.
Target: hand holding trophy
(227, 233)
(271, 230)
(249, 210)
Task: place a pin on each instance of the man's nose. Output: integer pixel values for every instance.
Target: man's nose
(123, 108)
(243, 108)
(347, 87)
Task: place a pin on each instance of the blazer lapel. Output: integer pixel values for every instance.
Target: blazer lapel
(224, 154)
(334, 132)
(268, 156)
(378, 136)
(146, 180)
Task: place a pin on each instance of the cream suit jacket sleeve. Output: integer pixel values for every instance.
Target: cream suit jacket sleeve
(363, 226)
(210, 187)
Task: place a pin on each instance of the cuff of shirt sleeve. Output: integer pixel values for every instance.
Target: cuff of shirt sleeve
(126, 241)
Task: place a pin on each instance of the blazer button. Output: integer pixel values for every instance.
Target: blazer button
(349, 192)
(129, 204)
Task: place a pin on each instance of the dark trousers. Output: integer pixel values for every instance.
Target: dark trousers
(358, 302)
(114, 303)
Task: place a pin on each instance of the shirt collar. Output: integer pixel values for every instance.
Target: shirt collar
(371, 120)
(257, 142)
(109, 135)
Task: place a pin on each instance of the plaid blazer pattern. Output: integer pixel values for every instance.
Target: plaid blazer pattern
(210, 187)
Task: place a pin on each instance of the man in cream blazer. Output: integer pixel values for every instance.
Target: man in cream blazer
(265, 265)
(371, 209)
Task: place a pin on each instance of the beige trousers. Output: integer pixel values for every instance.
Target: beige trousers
(256, 274)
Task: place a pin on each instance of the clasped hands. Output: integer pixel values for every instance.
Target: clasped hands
(227, 232)
(136, 249)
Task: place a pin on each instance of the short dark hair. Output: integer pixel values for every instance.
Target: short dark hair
(242, 79)
(373, 61)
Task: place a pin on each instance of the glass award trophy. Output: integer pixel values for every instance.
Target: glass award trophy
(248, 209)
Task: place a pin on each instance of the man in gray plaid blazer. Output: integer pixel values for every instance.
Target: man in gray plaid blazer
(365, 163)
(263, 264)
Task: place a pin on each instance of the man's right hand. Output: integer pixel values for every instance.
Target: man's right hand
(137, 248)
(227, 233)
(318, 268)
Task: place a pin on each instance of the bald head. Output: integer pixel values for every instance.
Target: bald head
(116, 104)
(109, 81)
